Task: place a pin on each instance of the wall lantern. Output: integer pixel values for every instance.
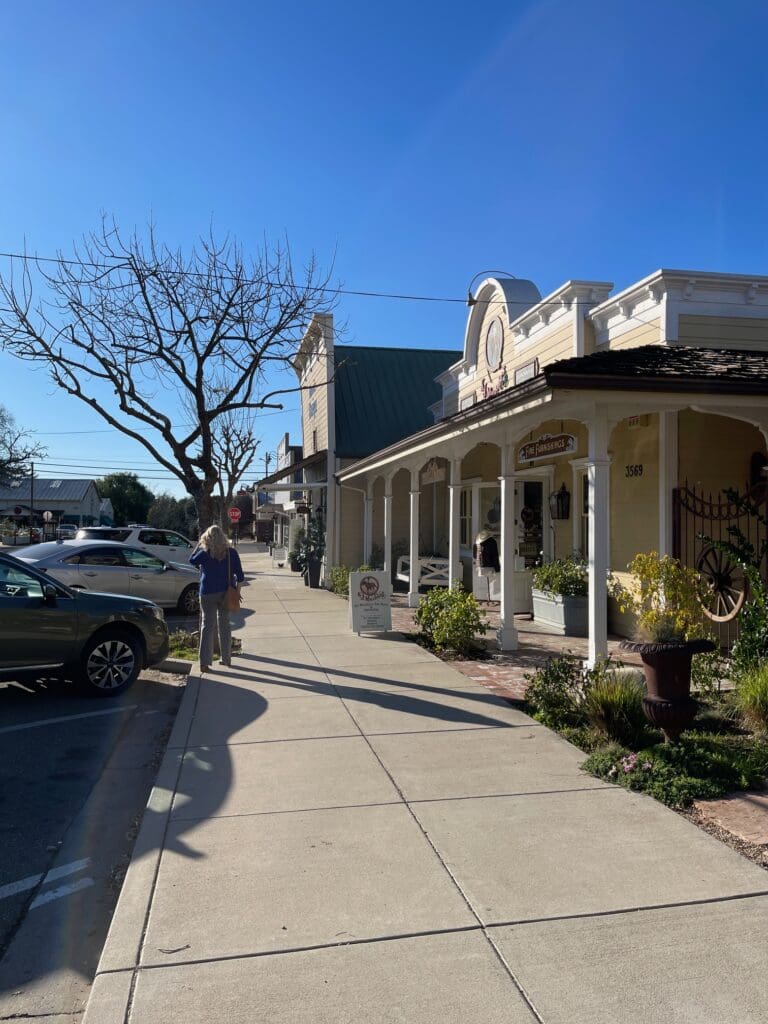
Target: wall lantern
(560, 503)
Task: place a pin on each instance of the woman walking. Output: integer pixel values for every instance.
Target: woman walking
(220, 569)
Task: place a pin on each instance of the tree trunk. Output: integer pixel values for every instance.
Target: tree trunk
(205, 504)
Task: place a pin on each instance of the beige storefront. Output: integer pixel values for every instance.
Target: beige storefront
(617, 407)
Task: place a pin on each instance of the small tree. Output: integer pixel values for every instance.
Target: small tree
(169, 513)
(131, 500)
(17, 449)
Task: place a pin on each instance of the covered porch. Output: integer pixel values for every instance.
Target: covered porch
(614, 430)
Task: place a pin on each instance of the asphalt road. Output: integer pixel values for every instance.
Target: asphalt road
(75, 775)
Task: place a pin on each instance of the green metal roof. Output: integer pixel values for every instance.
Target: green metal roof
(384, 394)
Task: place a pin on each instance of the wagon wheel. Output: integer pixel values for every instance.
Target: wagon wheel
(725, 586)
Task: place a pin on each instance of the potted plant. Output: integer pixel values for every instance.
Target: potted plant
(313, 551)
(560, 596)
(665, 601)
(295, 554)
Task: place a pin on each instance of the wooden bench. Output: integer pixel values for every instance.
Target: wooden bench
(433, 572)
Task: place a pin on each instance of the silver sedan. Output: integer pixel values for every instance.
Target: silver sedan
(114, 568)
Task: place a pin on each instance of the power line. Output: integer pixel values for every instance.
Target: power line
(142, 430)
(361, 293)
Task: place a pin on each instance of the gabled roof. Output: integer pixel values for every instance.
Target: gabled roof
(384, 394)
(47, 490)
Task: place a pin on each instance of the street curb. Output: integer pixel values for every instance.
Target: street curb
(111, 993)
(180, 666)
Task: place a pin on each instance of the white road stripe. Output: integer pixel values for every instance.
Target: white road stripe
(24, 884)
(68, 718)
(63, 890)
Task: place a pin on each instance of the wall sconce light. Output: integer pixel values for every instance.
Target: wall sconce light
(560, 503)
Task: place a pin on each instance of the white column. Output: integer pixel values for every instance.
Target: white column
(667, 477)
(507, 633)
(368, 524)
(388, 529)
(454, 524)
(599, 514)
(415, 572)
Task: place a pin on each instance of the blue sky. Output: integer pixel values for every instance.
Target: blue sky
(417, 143)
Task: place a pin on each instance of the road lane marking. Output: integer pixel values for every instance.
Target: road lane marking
(63, 890)
(24, 884)
(67, 718)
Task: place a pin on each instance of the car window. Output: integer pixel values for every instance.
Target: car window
(142, 559)
(17, 583)
(103, 534)
(152, 537)
(176, 541)
(101, 556)
(72, 560)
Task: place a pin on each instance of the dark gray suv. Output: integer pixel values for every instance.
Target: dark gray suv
(100, 640)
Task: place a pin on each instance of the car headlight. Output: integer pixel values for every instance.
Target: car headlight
(153, 610)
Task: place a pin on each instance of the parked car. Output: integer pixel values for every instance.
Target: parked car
(49, 629)
(165, 544)
(114, 568)
(66, 531)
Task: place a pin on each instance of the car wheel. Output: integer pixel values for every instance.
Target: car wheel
(189, 602)
(110, 663)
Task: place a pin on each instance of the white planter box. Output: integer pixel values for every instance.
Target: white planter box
(566, 616)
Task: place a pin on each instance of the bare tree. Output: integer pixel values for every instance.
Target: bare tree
(140, 333)
(234, 450)
(17, 449)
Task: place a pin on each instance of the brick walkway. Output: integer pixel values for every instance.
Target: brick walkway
(505, 672)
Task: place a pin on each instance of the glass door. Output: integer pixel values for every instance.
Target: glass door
(529, 502)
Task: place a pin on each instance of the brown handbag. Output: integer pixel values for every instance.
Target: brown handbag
(233, 593)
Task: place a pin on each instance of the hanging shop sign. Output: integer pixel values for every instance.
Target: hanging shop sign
(546, 446)
(433, 472)
(370, 609)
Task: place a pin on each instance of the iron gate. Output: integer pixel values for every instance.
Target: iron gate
(697, 515)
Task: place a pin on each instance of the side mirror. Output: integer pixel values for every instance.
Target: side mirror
(50, 594)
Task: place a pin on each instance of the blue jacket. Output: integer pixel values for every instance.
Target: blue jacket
(213, 571)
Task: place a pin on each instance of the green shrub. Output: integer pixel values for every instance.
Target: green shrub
(338, 580)
(752, 698)
(450, 619)
(707, 671)
(565, 576)
(555, 692)
(751, 648)
(613, 705)
(700, 766)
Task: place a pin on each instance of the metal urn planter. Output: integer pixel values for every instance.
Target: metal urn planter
(667, 666)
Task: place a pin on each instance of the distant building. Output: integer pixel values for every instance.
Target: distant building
(69, 501)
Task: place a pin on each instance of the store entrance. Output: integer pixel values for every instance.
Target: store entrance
(530, 541)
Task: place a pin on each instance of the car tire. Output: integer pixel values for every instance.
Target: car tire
(110, 663)
(189, 600)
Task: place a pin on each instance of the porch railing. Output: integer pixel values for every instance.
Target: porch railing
(433, 572)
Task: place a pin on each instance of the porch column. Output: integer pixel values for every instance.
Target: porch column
(454, 508)
(599, 515)
(388, 529)
(667, 477)
(507, 633)
(368, 524)
(415, 571)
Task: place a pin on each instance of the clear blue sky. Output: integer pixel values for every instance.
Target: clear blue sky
(419, 142)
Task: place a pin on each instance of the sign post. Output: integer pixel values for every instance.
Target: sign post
(370, 608)
(235, 516)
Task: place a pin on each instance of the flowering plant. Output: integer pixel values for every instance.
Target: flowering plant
(665, 599)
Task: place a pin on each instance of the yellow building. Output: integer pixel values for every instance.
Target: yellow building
(634, 410)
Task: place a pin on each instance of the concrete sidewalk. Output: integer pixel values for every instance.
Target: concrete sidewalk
(346, 829)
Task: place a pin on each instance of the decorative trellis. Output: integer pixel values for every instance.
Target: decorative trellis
(697, 515)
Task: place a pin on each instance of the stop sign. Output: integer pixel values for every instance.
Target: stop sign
(235, 515)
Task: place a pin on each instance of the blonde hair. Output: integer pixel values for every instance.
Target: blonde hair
(214, 542)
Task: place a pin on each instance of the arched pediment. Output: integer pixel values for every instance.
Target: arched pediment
(504, 297)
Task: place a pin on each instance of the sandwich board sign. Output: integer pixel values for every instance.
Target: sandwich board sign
(370, 610)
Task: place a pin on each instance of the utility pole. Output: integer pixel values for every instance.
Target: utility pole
(31, 500)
